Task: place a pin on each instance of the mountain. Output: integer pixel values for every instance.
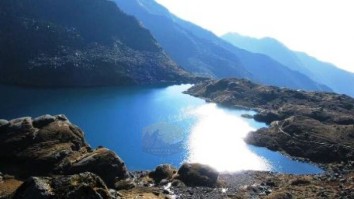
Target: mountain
(337, 79)
(194, 53)
(319, 71)
(78, 43)
(203, 53)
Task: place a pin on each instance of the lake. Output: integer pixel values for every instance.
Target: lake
(148, 126)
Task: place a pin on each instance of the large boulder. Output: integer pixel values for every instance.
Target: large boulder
(195, 174)
(3, 123)
(84, 185)
(50, 145)
(102, 162)
(34, 147)
(164, 171)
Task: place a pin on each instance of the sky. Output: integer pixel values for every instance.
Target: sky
(322, 28)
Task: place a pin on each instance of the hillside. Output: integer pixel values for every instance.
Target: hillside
(203, 53)
(78, 43)
(325, 73)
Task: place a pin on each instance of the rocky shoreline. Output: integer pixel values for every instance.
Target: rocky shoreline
(47, 157)
(50, 156)
(308, 125)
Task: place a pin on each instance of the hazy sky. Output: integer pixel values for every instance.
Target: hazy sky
(321, 28)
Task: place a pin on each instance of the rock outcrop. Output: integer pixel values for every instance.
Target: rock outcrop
(102, 161)
(313, 125)
(301, 136)
(50, 145)
(84, 185)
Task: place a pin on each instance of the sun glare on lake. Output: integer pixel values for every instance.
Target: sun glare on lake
(217, 140)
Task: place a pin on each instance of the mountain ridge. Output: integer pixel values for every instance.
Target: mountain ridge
(79, 43)
(325, 73)
(201, 52)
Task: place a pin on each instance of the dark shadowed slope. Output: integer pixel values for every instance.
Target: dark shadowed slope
(194, 53)
(325, 73)
(203, 53)
(78, 43)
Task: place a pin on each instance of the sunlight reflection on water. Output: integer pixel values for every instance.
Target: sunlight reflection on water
(217, 140)
(152, 126)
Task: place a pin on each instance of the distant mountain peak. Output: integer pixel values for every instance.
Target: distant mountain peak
(319, 71)
(203, 53)
(152, 7)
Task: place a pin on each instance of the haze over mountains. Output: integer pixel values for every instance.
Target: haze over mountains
(328, 74)
(93, 43)
(203, 53)
(78, 43)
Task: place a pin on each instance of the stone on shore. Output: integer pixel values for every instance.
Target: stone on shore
(102, 162)
(164, 171)
(195, 174)
(84, 185)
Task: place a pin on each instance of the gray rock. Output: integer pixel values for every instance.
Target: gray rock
(351, 195)
(165, 171)
(194, 174)
(163, 182)
(8, 177)
(55, 146)
(125, 184)
(3, 122)
(43, 120)
(40, 149)
(61, 117)
(35, 188)
(20, 119)
(103, 162)
(20, 124)
(83, 185)
(115, 193)
(177, 183)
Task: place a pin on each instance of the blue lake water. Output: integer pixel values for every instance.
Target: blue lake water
(150, 126)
